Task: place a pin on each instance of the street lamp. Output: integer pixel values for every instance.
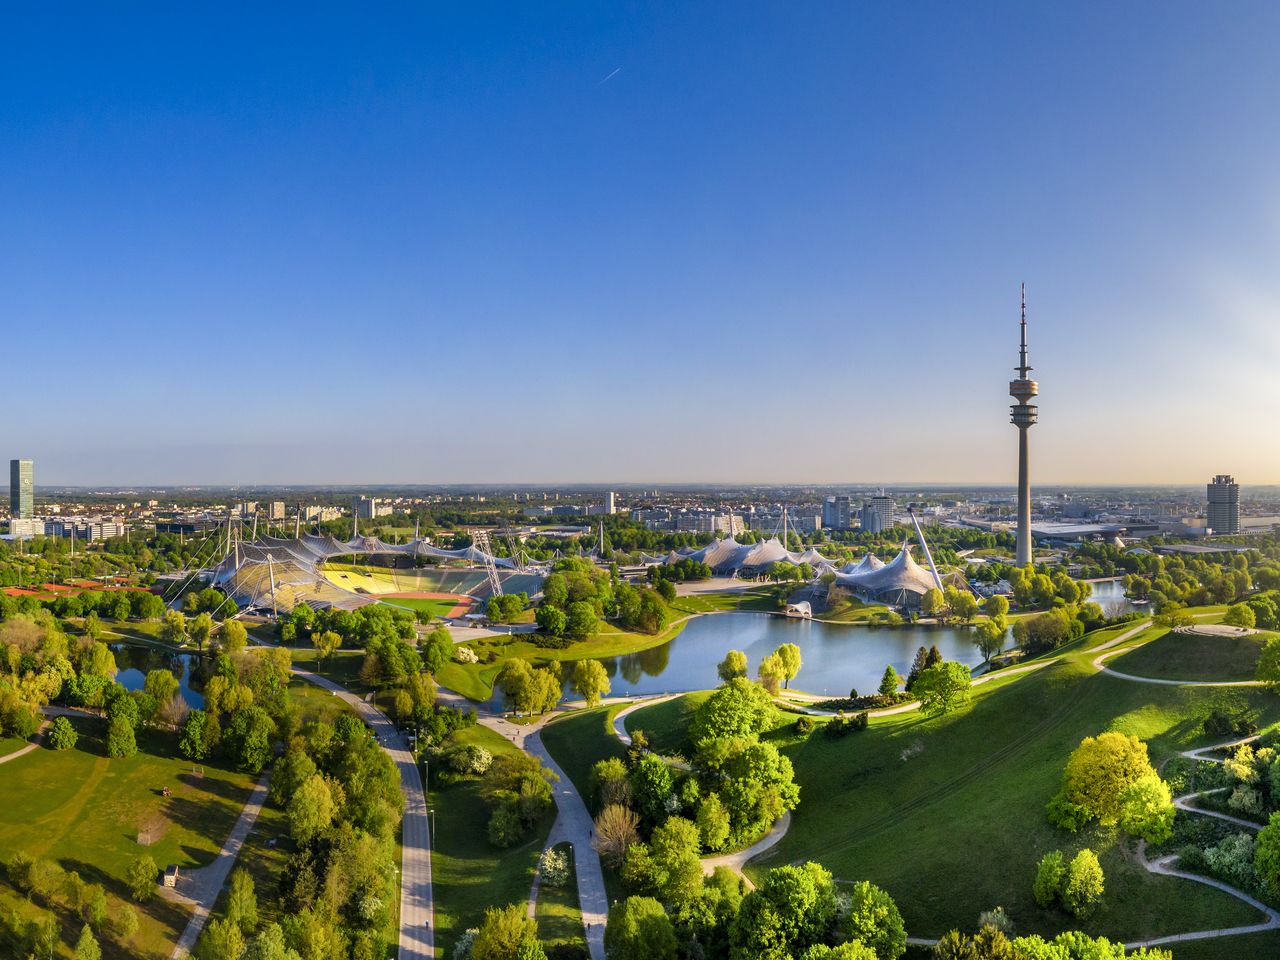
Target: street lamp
(431, 838)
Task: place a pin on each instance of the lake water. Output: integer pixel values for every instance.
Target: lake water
(835, 657)
(135, 662)
(1109, 594)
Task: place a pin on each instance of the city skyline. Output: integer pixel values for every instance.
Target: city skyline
(439, 253)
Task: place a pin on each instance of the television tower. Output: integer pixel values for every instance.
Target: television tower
(1022, 415)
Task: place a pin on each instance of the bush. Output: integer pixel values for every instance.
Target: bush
(842, 726)
(1084, 883)
(804, 725)
(1049, 873)
(62, 735)
(553, 867)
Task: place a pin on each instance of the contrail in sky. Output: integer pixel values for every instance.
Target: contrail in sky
(616, 71)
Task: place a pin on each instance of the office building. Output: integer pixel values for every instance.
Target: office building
(837, 513)
(1224, 505)
(876, 515)
(22, 489)
(275, 510)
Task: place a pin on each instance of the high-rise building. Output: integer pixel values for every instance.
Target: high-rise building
(837, 513)
(1022, 415)
(276, 510)
(876, 515)
(1224, 505)
(22, 489)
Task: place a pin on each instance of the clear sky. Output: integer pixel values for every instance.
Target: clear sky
(538, 242)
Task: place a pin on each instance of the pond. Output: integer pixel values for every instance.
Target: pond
(134, 662)
(835, 657)
(1109, 594)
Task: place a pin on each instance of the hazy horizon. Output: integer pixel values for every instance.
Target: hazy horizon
(679, 244)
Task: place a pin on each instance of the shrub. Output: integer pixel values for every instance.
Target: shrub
(62, 735)
(553, 867)
(1084, 883)
(1049, 873)
(465, 655)
(804, 725)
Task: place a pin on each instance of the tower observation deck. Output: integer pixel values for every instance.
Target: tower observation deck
(1022, 415)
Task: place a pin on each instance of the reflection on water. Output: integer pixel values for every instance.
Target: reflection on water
(836, 657)
(1109, 594)
(135, 662)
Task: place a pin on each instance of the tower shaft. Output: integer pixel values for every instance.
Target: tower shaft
(1024, 499)
(1022, 415)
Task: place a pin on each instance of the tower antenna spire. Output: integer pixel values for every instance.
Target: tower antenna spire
(1023, 366)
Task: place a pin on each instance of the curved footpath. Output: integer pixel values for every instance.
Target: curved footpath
(573, 825)
(417, 915)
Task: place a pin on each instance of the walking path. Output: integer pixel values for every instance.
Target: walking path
(573, 825)
(417, 914)
(201, 887)
(736, 861)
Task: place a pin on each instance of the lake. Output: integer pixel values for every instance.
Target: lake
(134, 662)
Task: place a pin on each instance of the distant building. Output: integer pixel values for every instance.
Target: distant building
(536, 512)
(20, 529)
(568, 510)
(275, 511)
(368, 508)
(837, 513)
(315, 513)
(1224, 505)
(22, 489)
(877, 514)
(607, 507)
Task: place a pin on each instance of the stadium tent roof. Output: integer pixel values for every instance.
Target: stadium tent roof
(285, 572)
(865, 565)
(728, 554)
(898, 581)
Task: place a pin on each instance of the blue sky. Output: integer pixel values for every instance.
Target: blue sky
(641, 242)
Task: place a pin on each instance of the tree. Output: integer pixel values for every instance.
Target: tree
(789, 655)
(918, 664)
(192, 742)
(311, 810)
(989, 636)
(1268, 669)
(1240, 615)
(889, 682)
(1097, 776)
(233, 636)
(617, 827)
(997, 606)
(247, 738)
(1266, 855)
(551, 620)
(162, 685)
(933, 603)
(874, 921)
(327, 642)
(1050, 872)
(739, 708)
(791, 910)
(713, 822)
(581, 620)
(141, 878)
(733, 665)
(222, 940)
(591, 680)
(1083, 885)
(1146, 809)
(120, 738)
(87, 946)
(651, 786)
(62, 735)
(200, 629)
(126, 922)
(242, 902)
(437, 650)
(173, 628)
(942, 688)
(639, 929)
(772, 673)
(503, 932)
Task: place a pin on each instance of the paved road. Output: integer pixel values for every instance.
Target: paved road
(206, 883)
(417, 914)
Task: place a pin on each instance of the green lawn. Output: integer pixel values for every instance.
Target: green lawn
(86, 811)
(763, 597)
(1184, 656)
(926, 807)
(850, 611)
(343, 667)
(558, 913)
(475, 680)
(434, 608)
(469, 873)
(1229, 948)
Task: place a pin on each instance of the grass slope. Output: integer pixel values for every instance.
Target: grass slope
(1184, 656)
(558, 914)
(948, 814)
(580, 739)
(469, 873)
(84, 811)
